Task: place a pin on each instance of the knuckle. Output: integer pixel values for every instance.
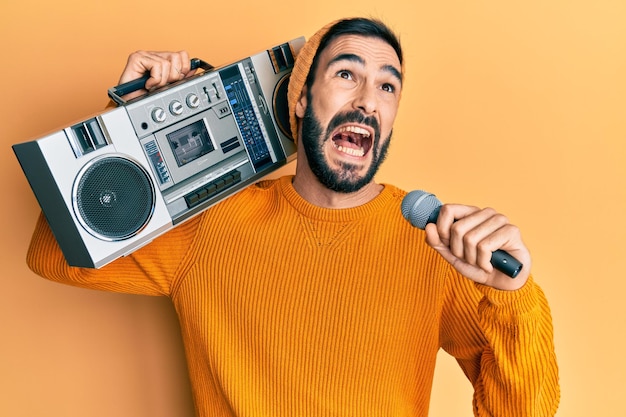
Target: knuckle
(495, 216)
(456, 228)
(135, 56)
(501, 218)
(513, 230)
(489, 211)
(446, 213)
(483, 247)
(471, 239)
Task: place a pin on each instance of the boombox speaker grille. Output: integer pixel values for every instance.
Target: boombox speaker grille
(114, 198)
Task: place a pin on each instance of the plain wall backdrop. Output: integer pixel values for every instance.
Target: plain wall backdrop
(516, 105)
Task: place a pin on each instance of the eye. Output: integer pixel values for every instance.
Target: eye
(345, 74)
(389, 88)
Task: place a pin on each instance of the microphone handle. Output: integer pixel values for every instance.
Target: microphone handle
(500, 259)
(505, 263)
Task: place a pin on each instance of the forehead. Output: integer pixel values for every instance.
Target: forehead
(371, 50)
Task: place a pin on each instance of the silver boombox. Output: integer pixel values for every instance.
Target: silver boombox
(112, 183)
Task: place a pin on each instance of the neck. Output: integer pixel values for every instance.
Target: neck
(308, 186)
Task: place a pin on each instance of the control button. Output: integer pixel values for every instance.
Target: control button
(217, 90)
(203, 194)
(158, 115)
(176, 108)
(192, 199)
(192, 100)
(211, 189)
(212, 93)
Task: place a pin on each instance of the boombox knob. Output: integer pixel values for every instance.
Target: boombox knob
(158, 115)
(176, 108)
(193, 101)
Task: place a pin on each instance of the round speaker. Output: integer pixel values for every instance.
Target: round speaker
(113, 197)
(281, 106)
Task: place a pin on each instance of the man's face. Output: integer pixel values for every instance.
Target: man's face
(348, 114)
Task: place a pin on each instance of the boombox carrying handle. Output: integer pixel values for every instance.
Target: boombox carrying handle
(116, 93)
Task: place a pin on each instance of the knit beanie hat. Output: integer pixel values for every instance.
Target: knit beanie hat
(300, 72)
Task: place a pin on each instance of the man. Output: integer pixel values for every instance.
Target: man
(311, 295)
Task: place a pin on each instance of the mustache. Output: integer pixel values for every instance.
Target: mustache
(354, 117)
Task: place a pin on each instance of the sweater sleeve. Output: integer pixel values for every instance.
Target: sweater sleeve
(150, 270)
(503, 341)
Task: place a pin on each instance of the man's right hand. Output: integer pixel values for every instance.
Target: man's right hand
(163, 67)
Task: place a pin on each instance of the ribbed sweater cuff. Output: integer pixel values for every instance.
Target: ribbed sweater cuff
(509, 304)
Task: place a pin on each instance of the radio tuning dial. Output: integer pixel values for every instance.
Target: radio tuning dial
(193, 101)
(158, 115)
(176, 108)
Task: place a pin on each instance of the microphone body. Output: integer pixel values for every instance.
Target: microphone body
(420, 208)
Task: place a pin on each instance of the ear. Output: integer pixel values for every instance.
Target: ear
(301, 103)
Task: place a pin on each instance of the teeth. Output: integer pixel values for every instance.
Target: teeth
(355, 129)
(351, 151)
(359, 152)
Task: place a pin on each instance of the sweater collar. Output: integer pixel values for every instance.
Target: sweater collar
(339, 215)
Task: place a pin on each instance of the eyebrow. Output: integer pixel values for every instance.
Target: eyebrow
(355, 58)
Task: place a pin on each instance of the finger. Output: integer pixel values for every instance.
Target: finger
(432, 236)
(140, 63)
(507, 237)
(160, 68)
(448, 216)
(185, 69)
(135, 67)
(433, 239)
(185, 65)
(174, 66)
(177, 64)
(471, 231)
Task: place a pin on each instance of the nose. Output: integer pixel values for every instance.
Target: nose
(365, 99)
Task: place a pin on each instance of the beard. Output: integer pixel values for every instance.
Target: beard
(346, 179)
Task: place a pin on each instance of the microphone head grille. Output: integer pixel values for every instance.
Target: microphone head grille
(417, 206)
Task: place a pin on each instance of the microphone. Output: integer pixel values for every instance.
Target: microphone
(420, 208)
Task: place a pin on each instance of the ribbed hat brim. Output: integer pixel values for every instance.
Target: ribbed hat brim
(300, 72)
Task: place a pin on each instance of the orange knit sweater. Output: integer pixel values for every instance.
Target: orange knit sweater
(288, 309)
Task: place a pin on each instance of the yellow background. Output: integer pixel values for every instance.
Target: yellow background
(519, 105)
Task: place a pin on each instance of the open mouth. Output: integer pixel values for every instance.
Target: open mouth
(353, 140)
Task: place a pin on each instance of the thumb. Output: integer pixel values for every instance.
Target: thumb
(433, 239)
(441, 245)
